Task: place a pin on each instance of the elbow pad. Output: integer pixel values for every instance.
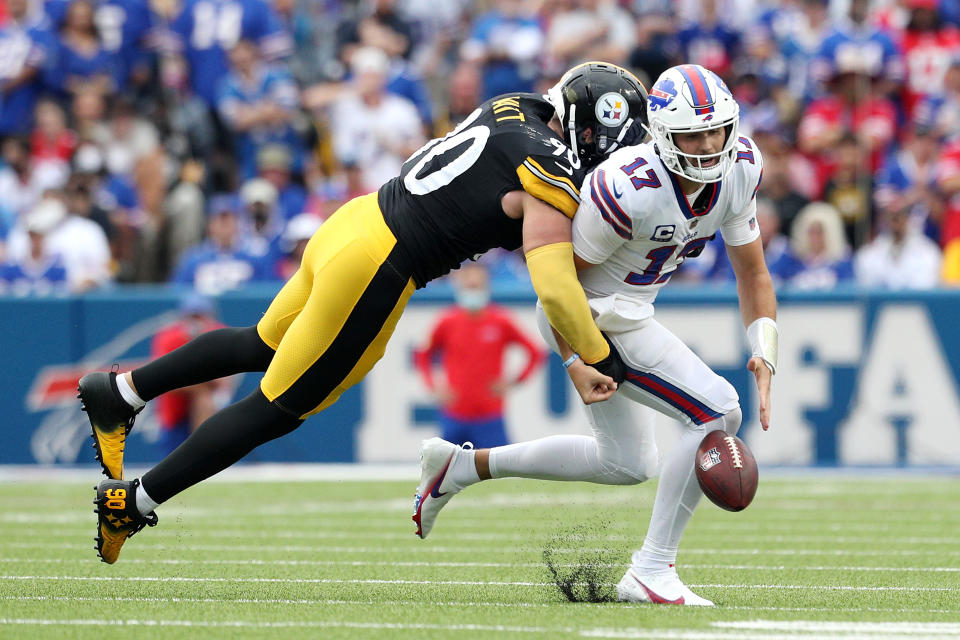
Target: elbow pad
(555, 281)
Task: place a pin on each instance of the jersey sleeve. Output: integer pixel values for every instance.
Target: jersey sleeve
(548, 178)
(741, 227)
(601, 224)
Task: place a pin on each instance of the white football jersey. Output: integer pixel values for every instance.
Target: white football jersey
(637, 226)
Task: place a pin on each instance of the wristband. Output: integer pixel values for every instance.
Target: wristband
(763, 336)
(569, 361)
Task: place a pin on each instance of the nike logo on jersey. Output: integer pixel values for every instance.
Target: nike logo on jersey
(565, 169)
(615, 193)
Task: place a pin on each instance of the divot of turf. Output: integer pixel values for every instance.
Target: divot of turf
(583, 576)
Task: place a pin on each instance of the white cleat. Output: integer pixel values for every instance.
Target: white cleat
(662, 587)
(435, 489)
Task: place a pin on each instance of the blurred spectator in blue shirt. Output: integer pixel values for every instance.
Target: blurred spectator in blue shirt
(709, 41)
(205, 30)
(657, 46)
(942, 109)
(820, 246)
(507, 42)
(257, 104)
(83, 61)
(854, 38)
(36, 271)
(909, 175)
(27, 52)
(273, 165)
(219, 264)
(582, 30)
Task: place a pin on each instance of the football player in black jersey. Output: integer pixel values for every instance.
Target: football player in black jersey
(508, 177)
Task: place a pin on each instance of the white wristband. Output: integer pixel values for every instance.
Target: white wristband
(569, 361)
(763, 337)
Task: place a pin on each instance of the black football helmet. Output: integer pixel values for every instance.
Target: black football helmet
(601, 107)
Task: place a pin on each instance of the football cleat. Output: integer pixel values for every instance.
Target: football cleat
(662, 587)
(435, 489)
(118, 517)
(111, 419)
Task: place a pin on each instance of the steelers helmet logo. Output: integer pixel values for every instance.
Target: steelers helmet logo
(612, 109)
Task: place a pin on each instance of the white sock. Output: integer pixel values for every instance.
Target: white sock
(145, 504)
(127, 393)
(677, 496)
(550, 458)
(463, 469)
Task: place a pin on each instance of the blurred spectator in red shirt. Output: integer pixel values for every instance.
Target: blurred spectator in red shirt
(182, 411)
(851, 105)
(948, 184)
(471, 340)
(51, 140)
(929, 46)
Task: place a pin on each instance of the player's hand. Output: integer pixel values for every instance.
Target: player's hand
(592, 385)
(762, 373)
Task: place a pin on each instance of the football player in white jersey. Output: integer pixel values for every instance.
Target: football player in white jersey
(643, 211)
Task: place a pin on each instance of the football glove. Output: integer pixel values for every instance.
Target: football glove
(612, 365)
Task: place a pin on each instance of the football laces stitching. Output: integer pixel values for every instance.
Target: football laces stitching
(734, 451)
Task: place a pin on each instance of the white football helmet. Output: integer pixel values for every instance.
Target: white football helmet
(688, 98)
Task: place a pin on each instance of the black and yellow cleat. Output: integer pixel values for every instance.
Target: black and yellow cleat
(111, 419)
(118, 517)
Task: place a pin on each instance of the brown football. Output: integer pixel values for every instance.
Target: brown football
(726, 470)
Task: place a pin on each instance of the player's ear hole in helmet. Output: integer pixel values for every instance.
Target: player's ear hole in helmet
(601, 108)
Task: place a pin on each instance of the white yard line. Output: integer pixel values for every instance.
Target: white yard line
(447, 582)
(859, 628)
(367, 603)
(460, 549)
(507, 565)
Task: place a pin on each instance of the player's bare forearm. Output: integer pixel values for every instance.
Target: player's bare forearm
(754, 286)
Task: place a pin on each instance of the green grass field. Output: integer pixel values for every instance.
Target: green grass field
(813, 557)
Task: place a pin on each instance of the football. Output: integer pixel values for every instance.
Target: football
(726, 470)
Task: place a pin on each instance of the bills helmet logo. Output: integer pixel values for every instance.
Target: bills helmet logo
(710, 459)
(662, 94)
(611, 109)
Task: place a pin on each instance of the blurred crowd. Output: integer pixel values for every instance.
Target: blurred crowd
(204, 141)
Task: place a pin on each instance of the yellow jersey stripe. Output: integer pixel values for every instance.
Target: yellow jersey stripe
(537, 167)
(556, 196)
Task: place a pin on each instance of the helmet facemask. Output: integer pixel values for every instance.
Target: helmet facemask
(689, 165)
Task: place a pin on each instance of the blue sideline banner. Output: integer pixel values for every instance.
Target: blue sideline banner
(865, 378)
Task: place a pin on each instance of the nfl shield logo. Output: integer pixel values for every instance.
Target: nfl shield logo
(710, 459)
(753, 224)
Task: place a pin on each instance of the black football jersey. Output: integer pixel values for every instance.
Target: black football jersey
(444, 207)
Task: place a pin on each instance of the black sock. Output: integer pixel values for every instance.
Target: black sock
(223, 439)
(209, 356)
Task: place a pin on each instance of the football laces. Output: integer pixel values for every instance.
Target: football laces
(734, 451)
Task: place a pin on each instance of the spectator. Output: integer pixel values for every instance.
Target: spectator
(850, 190)
(20, 183)
(709, 41)
(257, 104)
(657, 45)
(589, 30)
(948, 184)
(28, 52)
(273, 165)
(261, 222)
(82, 59)
(380, 25)
(779, 172)
(36, 271)
(295, 237)
(463, 97)
(942, 108)
(87, 110)
(911, 174)
(851, 104)
(219, 264)
(180, 412)
(204, 31)
(51, 144)
(374, 132)
(78, 241)
(183, 219)
(506, 43)
(471, 340)
(929, 47)
(819, 244)
(899, 258)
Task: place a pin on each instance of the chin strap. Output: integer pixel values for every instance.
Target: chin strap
(572, 128)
